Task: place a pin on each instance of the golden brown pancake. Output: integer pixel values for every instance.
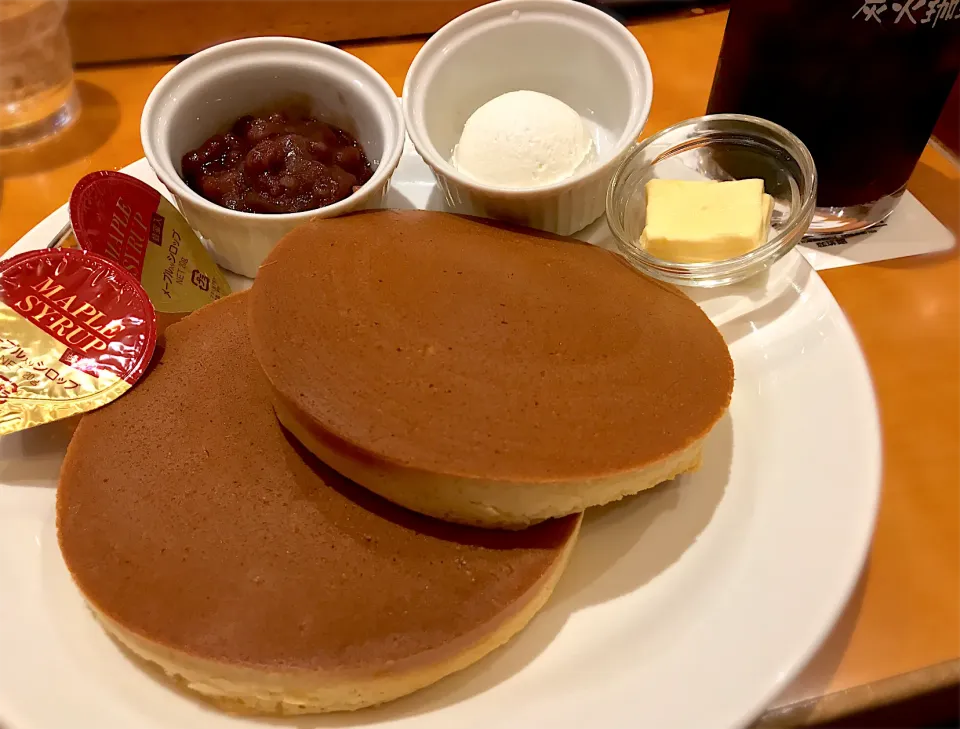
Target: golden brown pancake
(212, 544)
(483, 374)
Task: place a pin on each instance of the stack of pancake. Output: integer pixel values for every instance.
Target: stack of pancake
(368, 472)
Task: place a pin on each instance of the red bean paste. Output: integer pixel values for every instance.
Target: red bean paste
(284, 162)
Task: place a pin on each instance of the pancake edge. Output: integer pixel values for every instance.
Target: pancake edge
(252, 691)
(481, 502)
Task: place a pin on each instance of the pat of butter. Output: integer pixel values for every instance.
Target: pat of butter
(692, 222)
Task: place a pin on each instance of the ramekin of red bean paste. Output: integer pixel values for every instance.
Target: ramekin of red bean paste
(283, 162)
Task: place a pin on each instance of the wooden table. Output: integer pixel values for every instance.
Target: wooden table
(900, 634)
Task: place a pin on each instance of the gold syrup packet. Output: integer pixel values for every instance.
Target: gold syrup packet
(121, 218)
(76, 332)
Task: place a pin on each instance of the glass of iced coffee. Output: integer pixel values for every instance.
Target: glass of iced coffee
(860, 82)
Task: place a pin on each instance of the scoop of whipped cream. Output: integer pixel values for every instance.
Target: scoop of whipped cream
(522, 139)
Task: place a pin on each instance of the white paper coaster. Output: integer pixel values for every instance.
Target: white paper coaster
(910, 230)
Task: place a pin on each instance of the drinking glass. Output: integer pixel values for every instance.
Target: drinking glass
(860, 82)
(37, 92)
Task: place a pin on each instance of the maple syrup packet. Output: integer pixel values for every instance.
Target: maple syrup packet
(76, 332)
(121, 218)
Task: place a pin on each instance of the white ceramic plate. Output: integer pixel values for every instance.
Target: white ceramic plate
(687, 606)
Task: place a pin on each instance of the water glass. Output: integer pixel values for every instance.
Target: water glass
(38, 96)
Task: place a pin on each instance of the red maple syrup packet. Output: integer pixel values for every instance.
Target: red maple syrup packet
(121, 218)
(76, 332)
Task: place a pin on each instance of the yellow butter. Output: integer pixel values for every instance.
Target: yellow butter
(691, 222)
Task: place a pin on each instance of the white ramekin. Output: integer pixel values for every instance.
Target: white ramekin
(204, 94)
(563, 48)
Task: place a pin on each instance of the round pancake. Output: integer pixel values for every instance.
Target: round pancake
(211, 543)
(483, 374)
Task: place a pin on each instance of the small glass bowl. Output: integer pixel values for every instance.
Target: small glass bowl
(716, 147)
